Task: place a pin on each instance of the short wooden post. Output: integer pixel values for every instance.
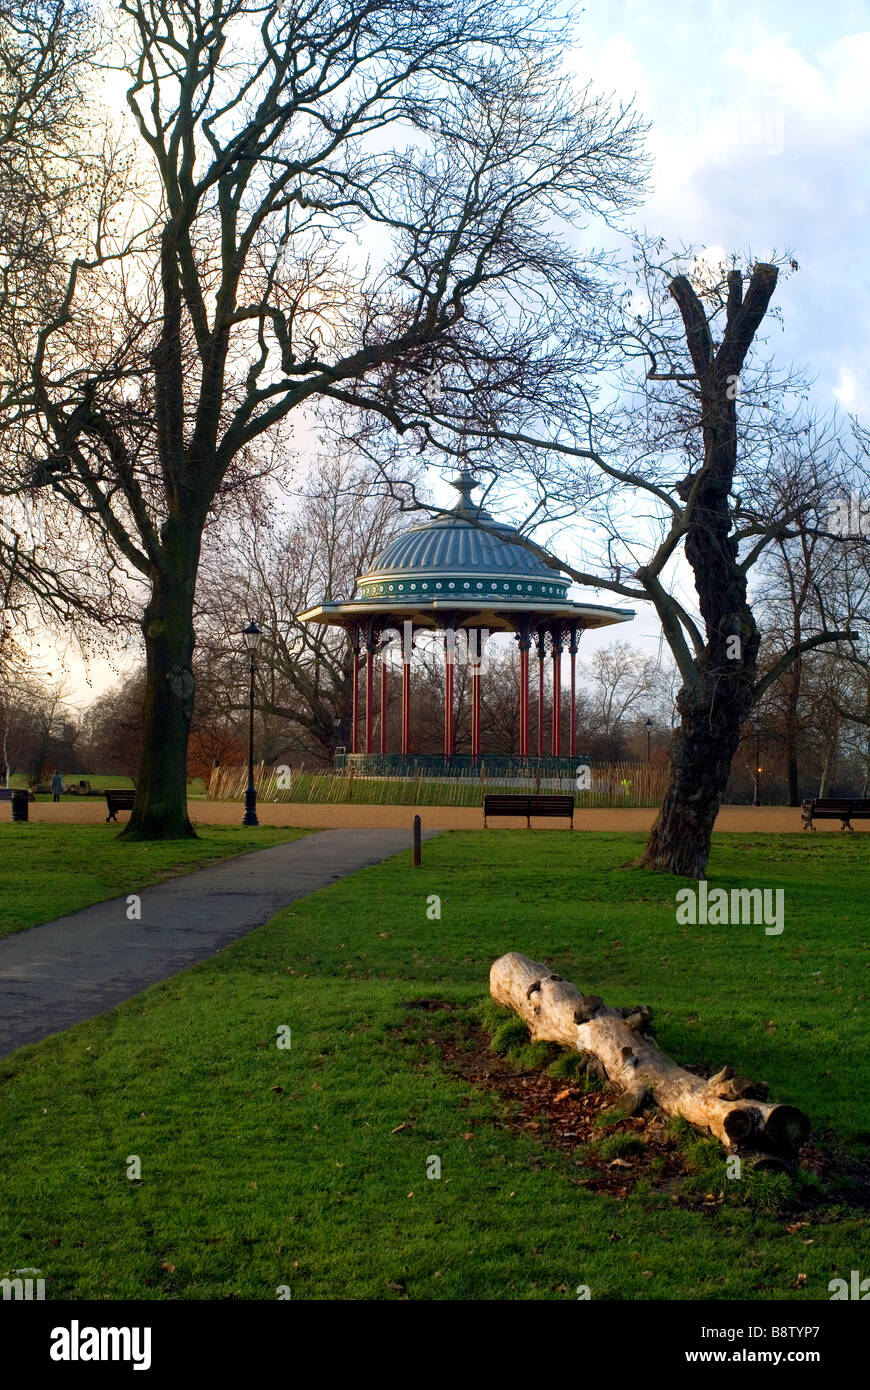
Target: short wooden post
(417, 842)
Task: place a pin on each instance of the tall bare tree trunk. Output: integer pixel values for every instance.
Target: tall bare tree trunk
(160, 807)
(830, 749)
(795, 676)
(702, 749)
(718, 684)
(867, 749)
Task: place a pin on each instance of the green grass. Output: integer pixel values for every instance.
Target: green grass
(47, 871)
(101, 782)
(621, 1146)
(306, 1167)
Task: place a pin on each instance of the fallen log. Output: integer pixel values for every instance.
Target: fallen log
(731, 1108)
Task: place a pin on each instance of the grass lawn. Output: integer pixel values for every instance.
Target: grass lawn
(47, 871)
(101, 782)
(306, 1166)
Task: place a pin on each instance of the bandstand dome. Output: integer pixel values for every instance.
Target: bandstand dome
(454, 557)
(462, 569)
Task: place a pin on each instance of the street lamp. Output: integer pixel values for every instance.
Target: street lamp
(648, 727)
(252, 635)
(756, 720)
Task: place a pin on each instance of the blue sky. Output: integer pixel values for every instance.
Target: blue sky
(761, 140)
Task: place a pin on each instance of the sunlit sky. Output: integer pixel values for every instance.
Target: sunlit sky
(761, 140)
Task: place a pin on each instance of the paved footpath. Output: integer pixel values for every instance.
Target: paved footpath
(78, 966)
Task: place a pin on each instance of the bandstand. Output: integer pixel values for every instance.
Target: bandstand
(452, 575)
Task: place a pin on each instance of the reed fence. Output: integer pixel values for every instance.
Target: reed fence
(610, 784)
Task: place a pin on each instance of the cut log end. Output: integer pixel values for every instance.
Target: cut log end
(786, 1127)
(741, 1123)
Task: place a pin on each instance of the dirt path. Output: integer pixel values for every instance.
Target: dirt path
(767, 819)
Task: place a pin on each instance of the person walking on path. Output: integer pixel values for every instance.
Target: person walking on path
(56, 785)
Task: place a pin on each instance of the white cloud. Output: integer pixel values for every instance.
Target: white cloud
(852, 391)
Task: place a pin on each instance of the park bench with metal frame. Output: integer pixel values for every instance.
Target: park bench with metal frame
(528, 806)
(845, 809)
(119, 799)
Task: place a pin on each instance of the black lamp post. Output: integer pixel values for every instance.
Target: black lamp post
(252, 635)
(648, 727)
(756, 720)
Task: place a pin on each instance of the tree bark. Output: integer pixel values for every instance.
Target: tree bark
(160, 808)
(717, 693)
(702, 749)
(731, 1108)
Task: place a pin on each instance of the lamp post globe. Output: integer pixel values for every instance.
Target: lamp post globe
(252, 635)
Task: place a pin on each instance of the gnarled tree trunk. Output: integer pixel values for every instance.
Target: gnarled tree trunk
(730, 1108)
(717, 691)
(702, 750)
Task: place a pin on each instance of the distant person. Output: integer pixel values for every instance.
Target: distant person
(56, 786)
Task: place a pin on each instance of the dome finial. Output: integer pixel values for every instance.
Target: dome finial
(465, 483)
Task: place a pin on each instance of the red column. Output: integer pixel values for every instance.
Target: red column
(449, 655)
(475, 695)
(524, 701)
(572, 721)
(354, 710)
(383, 701)
(406, 706)
(557, 695)
(370, 696)
(541, 700)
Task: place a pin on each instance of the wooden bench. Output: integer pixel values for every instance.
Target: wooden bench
(845, 809)
(528, 806)
(119, 800)
(7, 793)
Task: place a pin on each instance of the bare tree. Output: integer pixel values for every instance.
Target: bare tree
(307, 544)
(623, 682)
(280, 139)
(58, 167)
(45, 52)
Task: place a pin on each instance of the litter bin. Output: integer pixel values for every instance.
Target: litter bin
(20, 804)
